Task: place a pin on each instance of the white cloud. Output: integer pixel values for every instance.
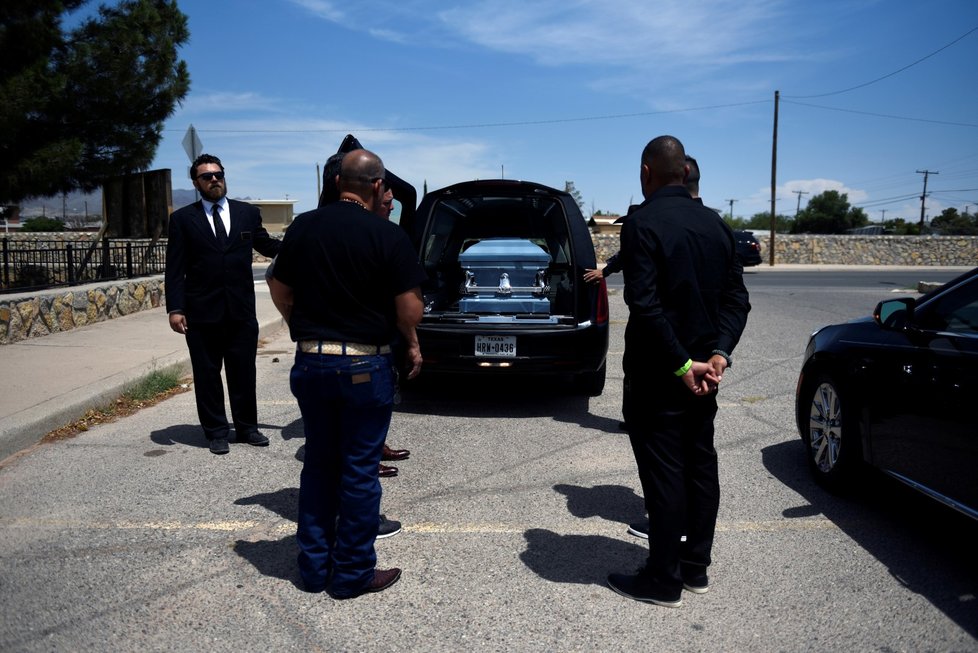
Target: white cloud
(787, 199)
(812, 187)
(323, 9)
(559, 33)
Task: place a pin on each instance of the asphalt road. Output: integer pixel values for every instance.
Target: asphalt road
(132, 537)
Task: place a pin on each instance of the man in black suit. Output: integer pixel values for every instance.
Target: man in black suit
(210, 298)
(687, 308)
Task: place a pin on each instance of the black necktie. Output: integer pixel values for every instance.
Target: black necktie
(219, 230)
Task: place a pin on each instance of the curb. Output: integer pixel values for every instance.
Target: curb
(30, 426)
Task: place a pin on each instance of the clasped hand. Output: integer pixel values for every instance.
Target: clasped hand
(704, 377)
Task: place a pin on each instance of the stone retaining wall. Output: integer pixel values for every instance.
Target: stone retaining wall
(29, 315)
(848, 250)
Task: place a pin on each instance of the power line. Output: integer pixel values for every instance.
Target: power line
(519, 123)
(895, 72)
(886, 200)
(554, 121)
(882, 115)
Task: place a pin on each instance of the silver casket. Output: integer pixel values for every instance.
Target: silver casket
(505, 276)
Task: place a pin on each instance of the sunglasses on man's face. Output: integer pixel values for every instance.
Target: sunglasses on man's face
(207, 176)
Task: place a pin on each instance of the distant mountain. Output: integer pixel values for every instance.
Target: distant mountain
(183, 197)
(72, 204)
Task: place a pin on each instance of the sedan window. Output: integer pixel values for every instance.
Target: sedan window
(955, 311)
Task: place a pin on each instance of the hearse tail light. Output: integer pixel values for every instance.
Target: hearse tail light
(602, 312)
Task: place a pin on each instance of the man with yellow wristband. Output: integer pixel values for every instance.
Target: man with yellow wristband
(687, 307)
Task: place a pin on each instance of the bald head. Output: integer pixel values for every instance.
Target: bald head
(666, 160)
(362, 177)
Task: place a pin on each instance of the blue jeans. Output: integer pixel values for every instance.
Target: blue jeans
(346, 404)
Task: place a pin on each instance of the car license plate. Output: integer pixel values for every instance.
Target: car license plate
(499, 346)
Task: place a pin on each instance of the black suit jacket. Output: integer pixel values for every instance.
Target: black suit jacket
(684, 285)
(204, 282)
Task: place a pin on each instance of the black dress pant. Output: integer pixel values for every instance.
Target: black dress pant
(671, 432)
(232, 344)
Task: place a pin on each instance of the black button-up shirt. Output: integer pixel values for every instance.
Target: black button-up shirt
(684, 285)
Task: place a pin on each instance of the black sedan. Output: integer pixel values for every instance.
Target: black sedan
(748, 248)
(895, 390)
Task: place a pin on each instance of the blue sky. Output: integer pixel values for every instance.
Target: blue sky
(572, 91)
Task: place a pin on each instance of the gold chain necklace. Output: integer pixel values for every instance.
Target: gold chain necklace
(353, 201)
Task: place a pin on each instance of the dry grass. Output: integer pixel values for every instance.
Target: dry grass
(158, 386)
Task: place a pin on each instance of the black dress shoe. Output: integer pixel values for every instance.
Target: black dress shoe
(640, 588)
(386, 470)
(394, 454)
(219, 446)
(254, 438)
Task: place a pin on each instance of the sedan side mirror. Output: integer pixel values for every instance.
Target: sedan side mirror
(894, 314)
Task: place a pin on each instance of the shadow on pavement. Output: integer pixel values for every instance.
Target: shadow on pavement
(284, 502)
(293, 430)
(588, 559)
(582, 559)
(615, 503)
(274, 558)
(927, 547)
(187, 434)
(519, 396)
(191, 435)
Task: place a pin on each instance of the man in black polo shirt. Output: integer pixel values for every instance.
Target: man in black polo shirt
(687, 308)
(347, 281)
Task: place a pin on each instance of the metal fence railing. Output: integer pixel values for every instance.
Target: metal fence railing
(40, 264)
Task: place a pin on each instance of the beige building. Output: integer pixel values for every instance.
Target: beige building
(605, 224)
(276, 215)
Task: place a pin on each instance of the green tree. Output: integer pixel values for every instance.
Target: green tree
(87, 104)
(900, 227)
(576, 194)
(42, 223)
(829, 213)
(733, 223)
(952, 223)
(762, 222)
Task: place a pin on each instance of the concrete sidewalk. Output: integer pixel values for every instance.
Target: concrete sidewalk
(50, 381)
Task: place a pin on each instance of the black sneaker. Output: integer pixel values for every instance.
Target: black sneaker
(638, 587)
(695, 579)
(219, 446)
(388, 528)
(639, 529)
(254, 438)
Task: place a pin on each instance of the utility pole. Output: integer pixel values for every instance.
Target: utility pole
(799, 193)
(925, 173)
(774, 177)
(883, 216)
(731, 208)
